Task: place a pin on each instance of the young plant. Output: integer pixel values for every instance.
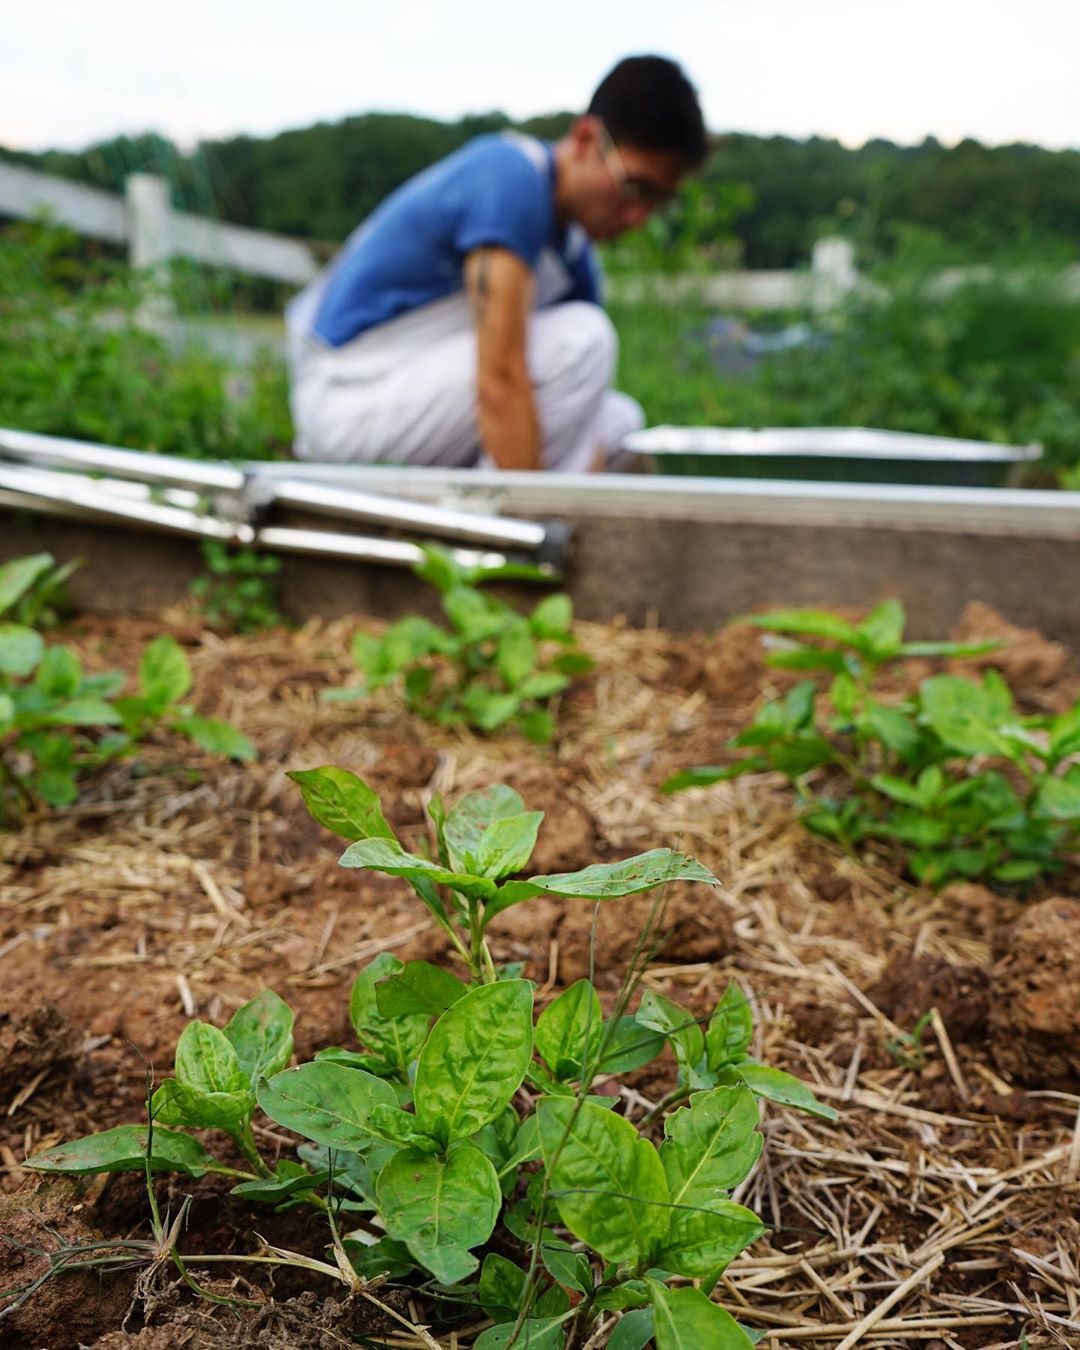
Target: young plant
(59, 725)
(492, 667)
(950, 779)
(464, 1143)
(237, 591)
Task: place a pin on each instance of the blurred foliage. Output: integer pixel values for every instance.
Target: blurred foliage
(994, 357)
(320, 181)
(77, 363)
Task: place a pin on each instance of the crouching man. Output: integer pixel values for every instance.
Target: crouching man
(462, 323)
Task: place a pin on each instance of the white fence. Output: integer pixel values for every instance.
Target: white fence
(143, 218)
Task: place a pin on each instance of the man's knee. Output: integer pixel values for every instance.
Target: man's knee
(575, 337)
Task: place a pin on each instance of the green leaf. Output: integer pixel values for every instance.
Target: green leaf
(537, 1333)
(607, 1183)
(500, 1286)
(543, 684)
(84, 711)
(474, 1060)
(844, 694)
(289, 1179)
(476, 617)
(536, 725)
(1065, 734)
(164, 672)
(711, 1145)
(677, 1024)
(400, 1127)
(552, 617)
(385, 1257)
(516, 654)
(123, 1149)
(806, 623)
(397, 1038)
(19, 575)
(56, 786)
(507, 844)
(628, 1045)
(882, 630)
(220, 738)
(178, 1104)
(325, 1102)
(487, 709)
(730, 1029)
(21, 648)
(569, 1030)
(606, 881)
(387, 855)
(899, 790)
(261, 1034)
(796, 657)
(207, 1061)
(629, 1294)
(703, 1240)
(440, 1207)
(59, 674)
(892, 727)
(781, 1087)
(1059, 798)
(472, 816)
(960, 650)
(418, 987)
(707, 774)
(567, 1267)
(342, 802)
(964, 715)
(634, 1331)
(684, 1319)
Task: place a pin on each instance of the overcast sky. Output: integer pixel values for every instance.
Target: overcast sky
(76, 71)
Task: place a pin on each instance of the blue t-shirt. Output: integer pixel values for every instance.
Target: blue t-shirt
(496, 191)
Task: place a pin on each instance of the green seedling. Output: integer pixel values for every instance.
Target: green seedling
(59, 725)
(907, 1048)
(492, 667)
(238, 589)
(546, 1208)
(952, 781)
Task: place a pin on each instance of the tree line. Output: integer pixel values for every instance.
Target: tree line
(318, 182)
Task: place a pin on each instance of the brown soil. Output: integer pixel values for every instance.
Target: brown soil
(180, 886)
(1035, 1016)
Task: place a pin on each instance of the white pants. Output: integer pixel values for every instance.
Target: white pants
(405, 392)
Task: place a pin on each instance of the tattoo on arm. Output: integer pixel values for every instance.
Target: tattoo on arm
(480, 296)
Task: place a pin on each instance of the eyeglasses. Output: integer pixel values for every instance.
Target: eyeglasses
(632, 189)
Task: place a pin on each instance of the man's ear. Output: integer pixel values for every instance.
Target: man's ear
(582, 136)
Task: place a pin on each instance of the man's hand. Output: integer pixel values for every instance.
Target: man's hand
(500, 289)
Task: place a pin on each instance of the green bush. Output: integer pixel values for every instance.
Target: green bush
(58, 725)
(996, 358)
(77, 363)
(492, 667)
(950, 780)
(545, 1207)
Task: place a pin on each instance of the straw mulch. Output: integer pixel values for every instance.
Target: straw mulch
(940, 1209)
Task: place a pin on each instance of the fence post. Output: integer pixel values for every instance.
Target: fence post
(833, 273)
(150, 246)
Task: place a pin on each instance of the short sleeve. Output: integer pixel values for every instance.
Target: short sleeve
(503, 201)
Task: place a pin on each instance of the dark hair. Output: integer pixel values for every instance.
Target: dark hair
(647, 102)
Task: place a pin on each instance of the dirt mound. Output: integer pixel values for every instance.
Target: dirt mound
(69, 1310)
(1035, 1014)
(308, 1322)
(1029, 661)
(33, 1040)
(910, 987)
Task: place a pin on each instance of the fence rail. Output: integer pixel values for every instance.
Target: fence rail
(143, 219)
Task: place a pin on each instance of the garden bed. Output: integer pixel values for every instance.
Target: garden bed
(943, 1199)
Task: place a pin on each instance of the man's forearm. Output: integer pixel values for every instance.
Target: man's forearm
(509, 426)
